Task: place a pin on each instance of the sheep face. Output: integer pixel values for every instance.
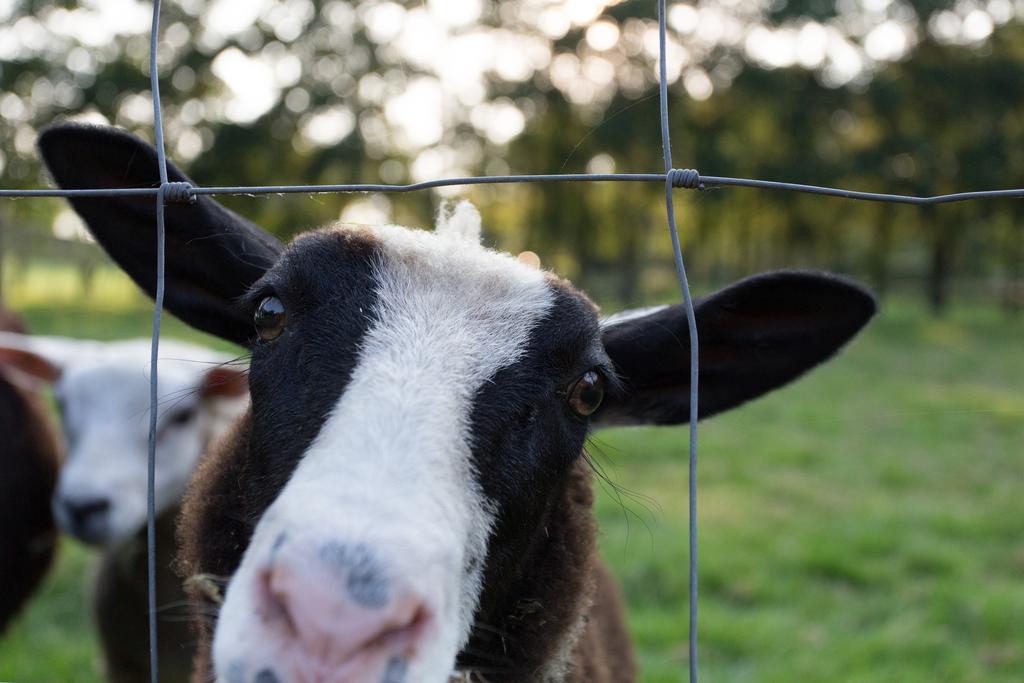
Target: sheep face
(102, 392)
(415, 397)
(418, 402)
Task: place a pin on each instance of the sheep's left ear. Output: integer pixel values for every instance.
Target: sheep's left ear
(39, 358)
(29, 364)
(212, 254)
(755, 336)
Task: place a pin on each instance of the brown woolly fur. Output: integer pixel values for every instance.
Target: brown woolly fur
(213, 532)
(121, 606)
(561, 619)
(29, 457)
(604, 652)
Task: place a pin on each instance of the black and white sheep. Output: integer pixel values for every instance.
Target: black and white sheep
(406, 498)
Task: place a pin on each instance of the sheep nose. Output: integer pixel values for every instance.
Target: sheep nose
(342, 610)
(86, 517)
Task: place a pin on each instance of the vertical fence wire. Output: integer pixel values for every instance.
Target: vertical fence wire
(684, 285)
(158, 306)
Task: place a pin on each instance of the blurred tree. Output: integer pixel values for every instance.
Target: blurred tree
(950, 121)
(888, 96)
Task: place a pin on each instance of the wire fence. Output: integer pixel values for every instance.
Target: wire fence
(672, 178)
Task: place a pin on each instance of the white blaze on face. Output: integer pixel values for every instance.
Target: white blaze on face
(391, 467)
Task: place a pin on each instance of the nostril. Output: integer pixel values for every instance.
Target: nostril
(340, 614)
(82, 510)
(273, 598)
(267, 676)
(402, 635)
(366, 581)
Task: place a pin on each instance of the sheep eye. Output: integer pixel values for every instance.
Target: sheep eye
(270, 318)
(586, 393)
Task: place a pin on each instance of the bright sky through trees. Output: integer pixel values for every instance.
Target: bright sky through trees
(435, 63)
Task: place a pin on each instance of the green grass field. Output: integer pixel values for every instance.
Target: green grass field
(865, 524)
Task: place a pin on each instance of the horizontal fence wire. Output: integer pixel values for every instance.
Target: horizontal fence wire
(672, 178)
(703, 182)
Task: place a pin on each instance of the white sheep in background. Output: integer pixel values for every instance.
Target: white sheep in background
(102, 390)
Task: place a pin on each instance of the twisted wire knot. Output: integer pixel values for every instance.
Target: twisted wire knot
(685, 178)
(179, 193)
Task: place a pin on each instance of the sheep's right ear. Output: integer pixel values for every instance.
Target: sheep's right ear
(755, 336)
(212, 254)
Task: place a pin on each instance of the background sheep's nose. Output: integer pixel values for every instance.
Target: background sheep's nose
(86, 518)
(341, 608)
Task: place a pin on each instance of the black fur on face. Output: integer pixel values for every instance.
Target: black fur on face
(325, 283)
(523, 430)
(525, 435)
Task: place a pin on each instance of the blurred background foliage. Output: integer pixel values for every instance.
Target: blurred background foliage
(863, 525)
(885, 95)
